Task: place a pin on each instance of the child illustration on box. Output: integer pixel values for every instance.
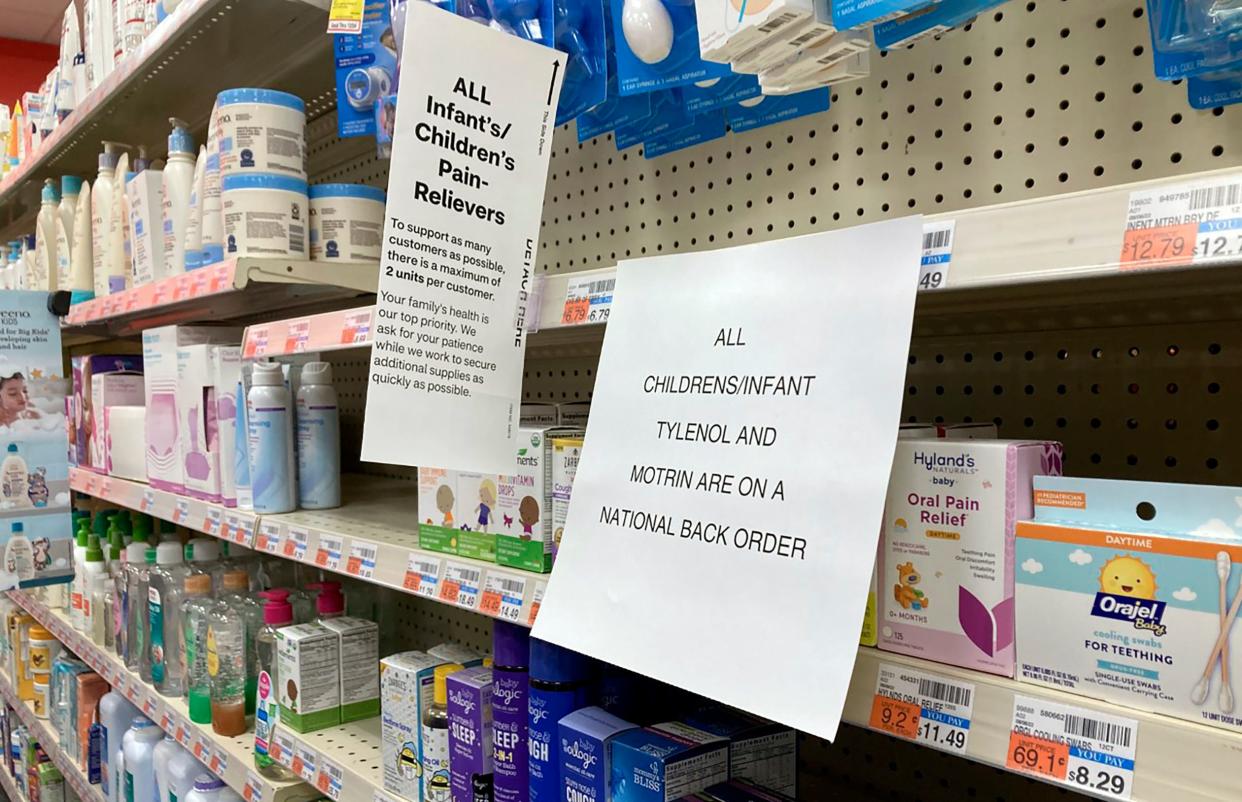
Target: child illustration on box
(444, 503)
(528, 514)
(905, 592)
(487, 500)
(42, 553)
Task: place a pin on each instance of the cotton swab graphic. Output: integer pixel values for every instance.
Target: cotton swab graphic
(1199, 694)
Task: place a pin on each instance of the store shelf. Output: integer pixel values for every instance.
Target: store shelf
(1174, 759)
(228, 289)
(372, 537)
(7, 784)
(205, 46)
(43, 732)
(229, 758)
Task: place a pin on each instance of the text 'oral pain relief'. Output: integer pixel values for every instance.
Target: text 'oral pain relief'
(1129, 592)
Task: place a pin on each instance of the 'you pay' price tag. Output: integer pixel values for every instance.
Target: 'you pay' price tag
(923, 707)
(1083, 749)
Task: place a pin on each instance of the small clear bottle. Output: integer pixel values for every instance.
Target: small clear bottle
(329, 603)
(97, 583)
(195, 606)
(166, 584)
(203, 554)
(113, 613)
(436, 776)
(239, 603)
(277, 613)
(226, 666)
(127, 581)
(139, 624)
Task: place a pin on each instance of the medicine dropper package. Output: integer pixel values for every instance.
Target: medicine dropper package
(580, 35)
(1129, 592)
(657, 45)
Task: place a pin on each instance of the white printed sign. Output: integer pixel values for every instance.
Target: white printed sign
(1073, 746)
(739, 434)
(469, 165)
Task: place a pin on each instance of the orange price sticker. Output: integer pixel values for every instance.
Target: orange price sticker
(490, 604)
(290, 547)
(412, 578)
(297, 764)
(1033, 755)
(1159, 247)
(576, 310)
(322, 783)
(449, 589)
(895, 716)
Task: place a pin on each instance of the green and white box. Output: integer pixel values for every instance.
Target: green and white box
(359, 648)
(309, 667)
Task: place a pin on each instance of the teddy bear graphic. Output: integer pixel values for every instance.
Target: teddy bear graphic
(905, 592)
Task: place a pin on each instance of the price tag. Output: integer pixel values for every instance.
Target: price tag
(91, 481)
(1193, 223)
(222, 276)
(160, 296)
(231, 523)
(202, 749)
(422, 575)
(201, 280)
(940, 707)
(131, 301)
(211, 522)
(329, 553)
(256, 342)
(295, 544)
(183, 733)
(181, 513)
(537, 600)
(166, 721)
(280, 749)
(243, 535)
(356, 328)
(937, 253)
(361, 561)
(219, 761)
(330, 778)
(149, 707)
(460, 585)
(148, 501)
(345, 16)
(253, 790)
(269, 537)
(587, 300)
(1079, 748)
(304, 759)
(502, 596)
(297, 333)
(105, 488)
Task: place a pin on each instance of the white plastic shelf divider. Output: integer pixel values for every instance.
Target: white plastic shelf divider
(230, 758)
(46, 736)
(232, 288)
(372, 537)
(1174, 760)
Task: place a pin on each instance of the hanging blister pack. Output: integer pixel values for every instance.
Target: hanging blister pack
(657, 46)
(615, 112)
(366, 70)
(579, 27)
(720, 93)
(668, 113)
(766, 110)
(1215, 89)
(531, 20)
(705, 128)
(929, 21)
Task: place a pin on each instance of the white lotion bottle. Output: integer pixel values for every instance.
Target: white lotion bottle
(81, 261)
(101, 216)
(45, 235)
(212, 227)
(269, 423)
(192, 243)
(178, 185)
(319, 439)
(70, 190)
(118, 268)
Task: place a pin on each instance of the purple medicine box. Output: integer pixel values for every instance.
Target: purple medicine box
(470, 733)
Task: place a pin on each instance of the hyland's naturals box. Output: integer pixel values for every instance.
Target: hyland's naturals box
(946, 567)
(525, 502)
(1128, 592)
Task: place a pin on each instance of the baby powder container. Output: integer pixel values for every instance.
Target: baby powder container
(264, 215)
(261, 131)
(206, 789)
(40, 695)
(43, 648)
(346, 222)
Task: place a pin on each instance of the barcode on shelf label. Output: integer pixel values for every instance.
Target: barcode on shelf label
(181, 513)
(253, 791)
(148, 501)
(536, 600)
(330, 778)
(937, 253)
(211, 522)
(461, 585)
(329, 552)
(587, 300)
(1083, 749)
(219, 760)
(361, 559)
(1183, 224)
(295, 544)
(422, 575)
(243, 533)
(929, 709)
(304, 760)
(269, 537)
(356, 327)
(502, 596)
(296, 336)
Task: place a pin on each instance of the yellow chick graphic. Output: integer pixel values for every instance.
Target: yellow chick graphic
(1128, 576)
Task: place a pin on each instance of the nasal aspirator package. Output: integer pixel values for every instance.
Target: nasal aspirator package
(1129, 592)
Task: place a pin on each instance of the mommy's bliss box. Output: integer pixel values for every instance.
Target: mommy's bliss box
(1125, 592)
(946, 569)
(664, 762)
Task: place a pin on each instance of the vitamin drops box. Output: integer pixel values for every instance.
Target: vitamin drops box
(946, 562)
(1129, 592)
(523, 502)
